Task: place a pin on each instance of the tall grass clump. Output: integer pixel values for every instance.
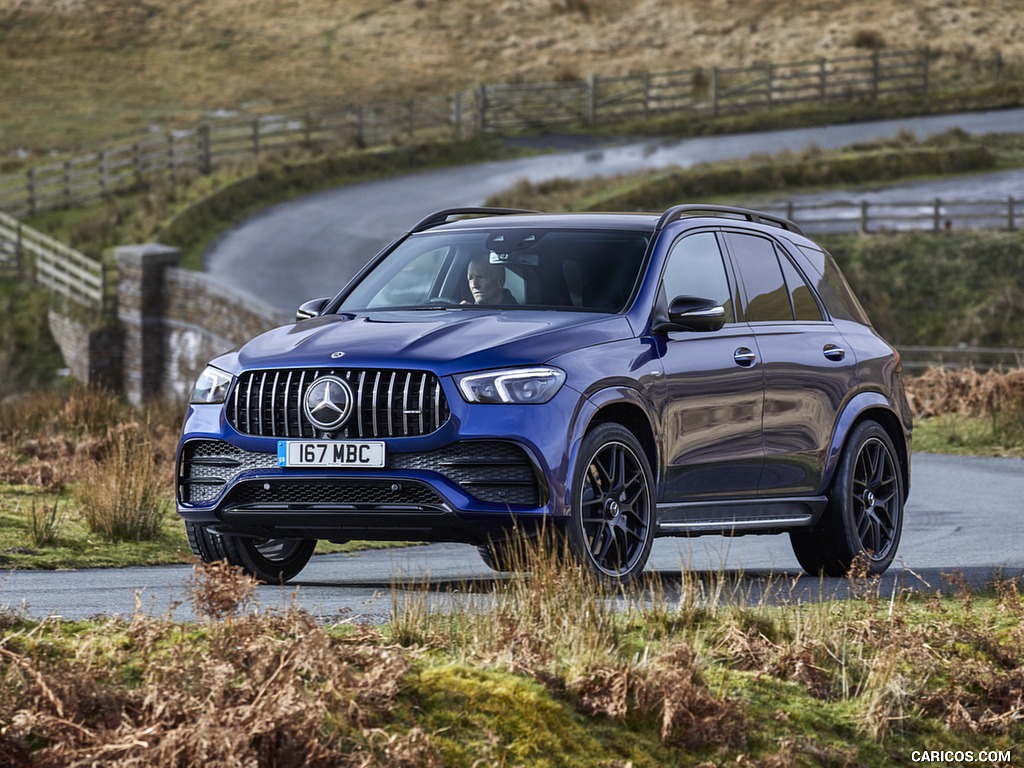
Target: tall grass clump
(44, 523)
(120, 495)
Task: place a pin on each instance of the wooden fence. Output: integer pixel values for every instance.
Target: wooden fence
(935, 215)
(63, 270)
(490, 108)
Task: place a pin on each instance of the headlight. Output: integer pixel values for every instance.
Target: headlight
(516, 385)
(211, 387)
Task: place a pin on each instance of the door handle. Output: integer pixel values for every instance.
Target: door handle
(832, 352)
(744, 356)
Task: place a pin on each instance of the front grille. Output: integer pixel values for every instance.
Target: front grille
(387, 403)
(491, 471)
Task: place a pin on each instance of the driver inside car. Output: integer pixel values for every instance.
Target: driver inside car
(487, 283)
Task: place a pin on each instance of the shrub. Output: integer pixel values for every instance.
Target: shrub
(120, 495)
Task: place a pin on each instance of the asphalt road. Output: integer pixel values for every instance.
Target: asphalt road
(309, 247)
(964, 515)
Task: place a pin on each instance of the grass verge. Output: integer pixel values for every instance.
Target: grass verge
(555, 671)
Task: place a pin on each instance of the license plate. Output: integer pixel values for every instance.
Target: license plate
(304, 453)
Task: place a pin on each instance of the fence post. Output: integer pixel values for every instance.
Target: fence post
(308, 129)
(822, 77)
(411, 117)
(714, 91)
(937, 215)
(256, 138)
(769, 72)
(103, 173)
(647, 94)
(590, 96)
(67, 183)
(1011, 214)
(172, 157)
(875, 75)
(926, 74)
(864, 217)
(481, 110)
(997, 68)
(205, 159)
(19, 250)
(457, 114)
(33, 205)
(137, 149)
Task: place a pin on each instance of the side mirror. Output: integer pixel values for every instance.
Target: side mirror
(311, 309)
(694, 313)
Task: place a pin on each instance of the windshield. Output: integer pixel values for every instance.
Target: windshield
(506, 268)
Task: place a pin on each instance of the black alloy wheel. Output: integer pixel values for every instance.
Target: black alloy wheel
(864, 516)
(272, 561)
(611, 525)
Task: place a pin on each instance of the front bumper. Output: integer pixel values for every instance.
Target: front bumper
(459, 491)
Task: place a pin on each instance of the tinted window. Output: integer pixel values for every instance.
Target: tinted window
(761, 275)
(833, 288)
(695, 268)
(804, 305)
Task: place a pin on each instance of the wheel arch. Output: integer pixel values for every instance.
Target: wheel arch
(873, 406)
(626, 407)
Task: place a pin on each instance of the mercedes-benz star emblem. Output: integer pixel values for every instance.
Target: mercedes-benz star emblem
(328, 403)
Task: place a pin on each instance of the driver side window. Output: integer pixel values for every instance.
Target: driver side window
(695, 268)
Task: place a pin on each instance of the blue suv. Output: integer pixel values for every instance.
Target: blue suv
(609, 377)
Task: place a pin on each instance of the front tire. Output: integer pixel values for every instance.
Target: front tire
(611, 521)
(864, 516)
(272, 561)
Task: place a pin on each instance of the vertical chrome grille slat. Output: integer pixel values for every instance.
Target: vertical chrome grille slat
(248, 406)
(373, 403)
(391, 405)
(287, 394)
(298, 403)
(405, 404)
(423, 388)
(387, 403)
(359, 404)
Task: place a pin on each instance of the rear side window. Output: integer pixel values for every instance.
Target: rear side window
(840, 301)
(761, 275)
(805, 306)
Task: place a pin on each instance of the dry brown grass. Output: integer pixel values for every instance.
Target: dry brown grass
(965, 391)
(245, 687)
(119, 460)
(78, 65)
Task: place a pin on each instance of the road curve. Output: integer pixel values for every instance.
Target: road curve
(308, 247)
(964, 515)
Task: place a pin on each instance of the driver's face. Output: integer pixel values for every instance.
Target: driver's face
(486, 282)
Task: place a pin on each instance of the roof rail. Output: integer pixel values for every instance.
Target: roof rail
(696, 209)
(440, 217)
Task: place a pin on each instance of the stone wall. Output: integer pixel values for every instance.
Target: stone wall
(204, 317)
(170, 322)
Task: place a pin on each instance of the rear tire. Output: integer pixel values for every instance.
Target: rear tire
(272, 561)
(864, 515)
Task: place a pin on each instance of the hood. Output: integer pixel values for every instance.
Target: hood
(444, 341)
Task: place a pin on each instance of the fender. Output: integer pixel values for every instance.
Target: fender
(852, 411)
(585, 416)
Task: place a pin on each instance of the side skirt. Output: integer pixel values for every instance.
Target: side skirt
(731, 518)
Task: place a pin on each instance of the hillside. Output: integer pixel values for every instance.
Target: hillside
(74, 70)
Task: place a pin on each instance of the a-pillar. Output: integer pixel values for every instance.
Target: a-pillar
(140, 309)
